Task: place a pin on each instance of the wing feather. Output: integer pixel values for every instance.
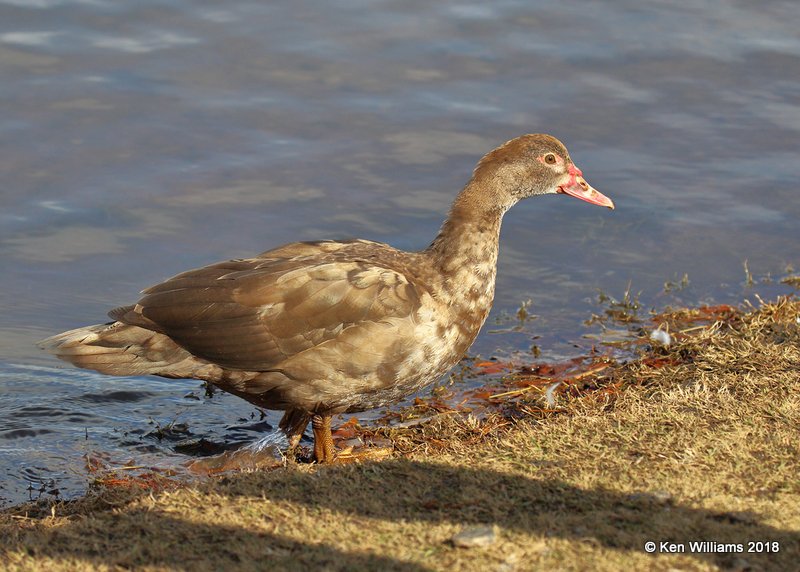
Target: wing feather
(253, 314)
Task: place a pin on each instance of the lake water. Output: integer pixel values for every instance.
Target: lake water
(140, 139)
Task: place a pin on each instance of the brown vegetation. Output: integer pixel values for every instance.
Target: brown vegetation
(697, 441)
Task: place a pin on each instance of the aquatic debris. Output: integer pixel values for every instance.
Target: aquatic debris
(522, 312)
(152, 479)
(676, 285)
(548, 395)
(492, 366)
(748, 276)
(347, 430)
(535, 378)
(412, 422)
(793, 281)
(689, 319)
(661, 337)
(623, 311)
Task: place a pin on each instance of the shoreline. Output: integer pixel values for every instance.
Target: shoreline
(685, 444)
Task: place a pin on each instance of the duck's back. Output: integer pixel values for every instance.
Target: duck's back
(254, 313)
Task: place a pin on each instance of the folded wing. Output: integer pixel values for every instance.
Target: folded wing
(253, 314)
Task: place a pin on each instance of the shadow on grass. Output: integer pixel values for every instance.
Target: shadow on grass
(394, 490)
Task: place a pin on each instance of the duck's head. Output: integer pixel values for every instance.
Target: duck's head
(535, 164)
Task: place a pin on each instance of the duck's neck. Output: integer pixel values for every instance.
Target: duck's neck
(464, 253)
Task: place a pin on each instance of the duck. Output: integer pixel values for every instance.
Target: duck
(321, 328)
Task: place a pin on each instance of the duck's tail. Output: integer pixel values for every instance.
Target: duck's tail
(116, 348)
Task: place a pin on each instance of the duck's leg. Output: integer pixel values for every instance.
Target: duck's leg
(323, 440)
(294, 423)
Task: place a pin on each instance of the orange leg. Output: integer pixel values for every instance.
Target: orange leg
(323, 440)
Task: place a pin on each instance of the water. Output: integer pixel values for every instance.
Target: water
(140, 139)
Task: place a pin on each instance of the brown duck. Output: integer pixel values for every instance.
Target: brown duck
(320, 328)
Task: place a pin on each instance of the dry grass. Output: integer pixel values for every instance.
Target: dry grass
(697, 443)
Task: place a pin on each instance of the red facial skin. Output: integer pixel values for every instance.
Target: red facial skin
(577, 186)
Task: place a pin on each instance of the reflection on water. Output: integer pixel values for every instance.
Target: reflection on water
(142, 139)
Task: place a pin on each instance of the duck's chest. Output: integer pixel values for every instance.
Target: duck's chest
(445, 327)
(434, 346)
(426, 344)
(461, 316)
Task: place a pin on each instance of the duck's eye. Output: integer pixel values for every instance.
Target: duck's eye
(550, 159)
